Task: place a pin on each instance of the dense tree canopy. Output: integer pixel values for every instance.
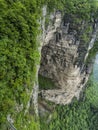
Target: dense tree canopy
(18, 52)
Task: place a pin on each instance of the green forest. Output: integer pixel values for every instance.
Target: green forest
(19, 56)
(79, 115)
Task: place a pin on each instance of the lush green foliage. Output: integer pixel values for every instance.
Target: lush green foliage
(82, 115)
(19, 52)
(92, 52)
(45, 83)
(80, 8)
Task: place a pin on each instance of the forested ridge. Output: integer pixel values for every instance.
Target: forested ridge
(19, 28)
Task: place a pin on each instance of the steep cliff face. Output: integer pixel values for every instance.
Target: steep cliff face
(64, 52)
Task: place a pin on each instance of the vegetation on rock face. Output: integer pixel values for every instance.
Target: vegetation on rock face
(45, 83)
(18, 57)
(83, 114)
(19, 53)
(92, 52)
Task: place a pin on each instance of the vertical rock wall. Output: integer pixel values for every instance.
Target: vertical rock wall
(63, 56)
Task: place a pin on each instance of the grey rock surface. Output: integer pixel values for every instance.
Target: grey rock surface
(62, 60)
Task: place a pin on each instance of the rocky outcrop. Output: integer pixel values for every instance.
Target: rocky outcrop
(63, 55)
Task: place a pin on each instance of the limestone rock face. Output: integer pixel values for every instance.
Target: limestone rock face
(62, 60)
